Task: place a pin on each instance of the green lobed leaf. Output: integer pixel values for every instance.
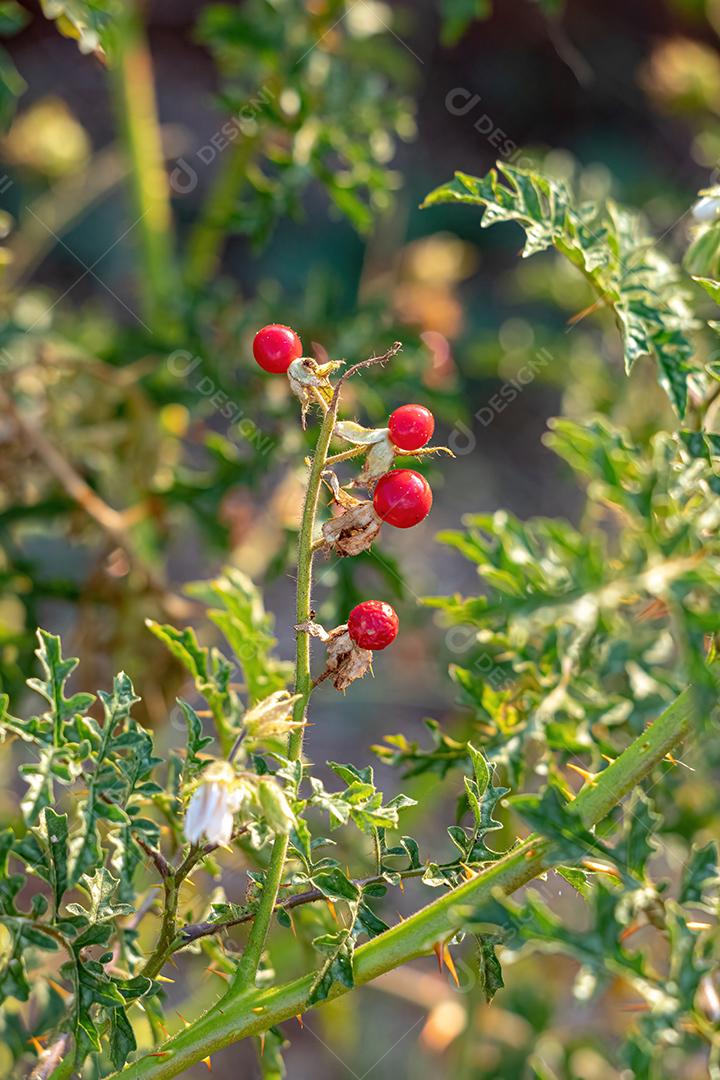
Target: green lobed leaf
(247, 628)
(52, 831)
(613, 249)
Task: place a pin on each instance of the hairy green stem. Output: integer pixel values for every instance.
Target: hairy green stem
(166, 938)
(238, 1015)
(168, 941)
(134, 93)
(248, 966)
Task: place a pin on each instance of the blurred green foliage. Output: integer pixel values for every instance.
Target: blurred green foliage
(134, 441)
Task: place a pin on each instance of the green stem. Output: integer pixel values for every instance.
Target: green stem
(238, 1015)
(135, 105)
(164, 948)
(168, 941)
(208, 236)
(248, 966)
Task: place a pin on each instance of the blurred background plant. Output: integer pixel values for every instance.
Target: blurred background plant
(174, 178)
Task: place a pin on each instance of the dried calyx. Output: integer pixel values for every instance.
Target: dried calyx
(399, 497)
(371, 625)
(354, 526)
(310, 383)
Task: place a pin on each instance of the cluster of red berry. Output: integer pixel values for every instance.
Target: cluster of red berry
(402, 497)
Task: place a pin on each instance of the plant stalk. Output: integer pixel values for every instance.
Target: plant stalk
(134, 93)
(207, 238)
(248, 966)
(238, 1015)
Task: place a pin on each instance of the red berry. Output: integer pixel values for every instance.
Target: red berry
(402, 498)
(411, 426)
(373, 625)
(275, 347)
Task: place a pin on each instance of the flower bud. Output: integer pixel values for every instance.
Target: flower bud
(275, 806)
(708, 998)
(272, 717)
(706, 209)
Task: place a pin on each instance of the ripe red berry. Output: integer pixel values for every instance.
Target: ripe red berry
(411, 426)
(402, 498)
(275, 347)
(373, 625)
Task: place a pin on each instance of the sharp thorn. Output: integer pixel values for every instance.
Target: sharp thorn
(450, 964)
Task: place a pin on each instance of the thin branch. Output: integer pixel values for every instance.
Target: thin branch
(193, 931)
(163, 866)
(387, 356)
(110, 521)
(51, 1059)
(355, 451)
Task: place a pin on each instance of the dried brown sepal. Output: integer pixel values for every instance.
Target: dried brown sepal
(340, 496)
(379, 460)
(310, 383)
(346, 661)
(353, 530)
(315, 629)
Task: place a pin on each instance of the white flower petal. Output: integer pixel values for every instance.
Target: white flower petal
(220, 830)
(706, 209)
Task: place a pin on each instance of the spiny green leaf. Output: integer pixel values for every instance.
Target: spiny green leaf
(637, 844)
(53, 833)
(612, 248)
(114, 755)
(122, 1037)
(100, 888)
(247, 628)
(334, 884)
(551, 814)
(700, 871)
(338, 968)
(210, 670)
(489, 969)
(195, 742)
(57, 672)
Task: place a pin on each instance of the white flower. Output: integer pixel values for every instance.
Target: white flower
(213, 804)
(706, 209)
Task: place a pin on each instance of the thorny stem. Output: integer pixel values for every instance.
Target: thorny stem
(168, 929)
(248, 966)
(238, 1015)
(173, 877)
